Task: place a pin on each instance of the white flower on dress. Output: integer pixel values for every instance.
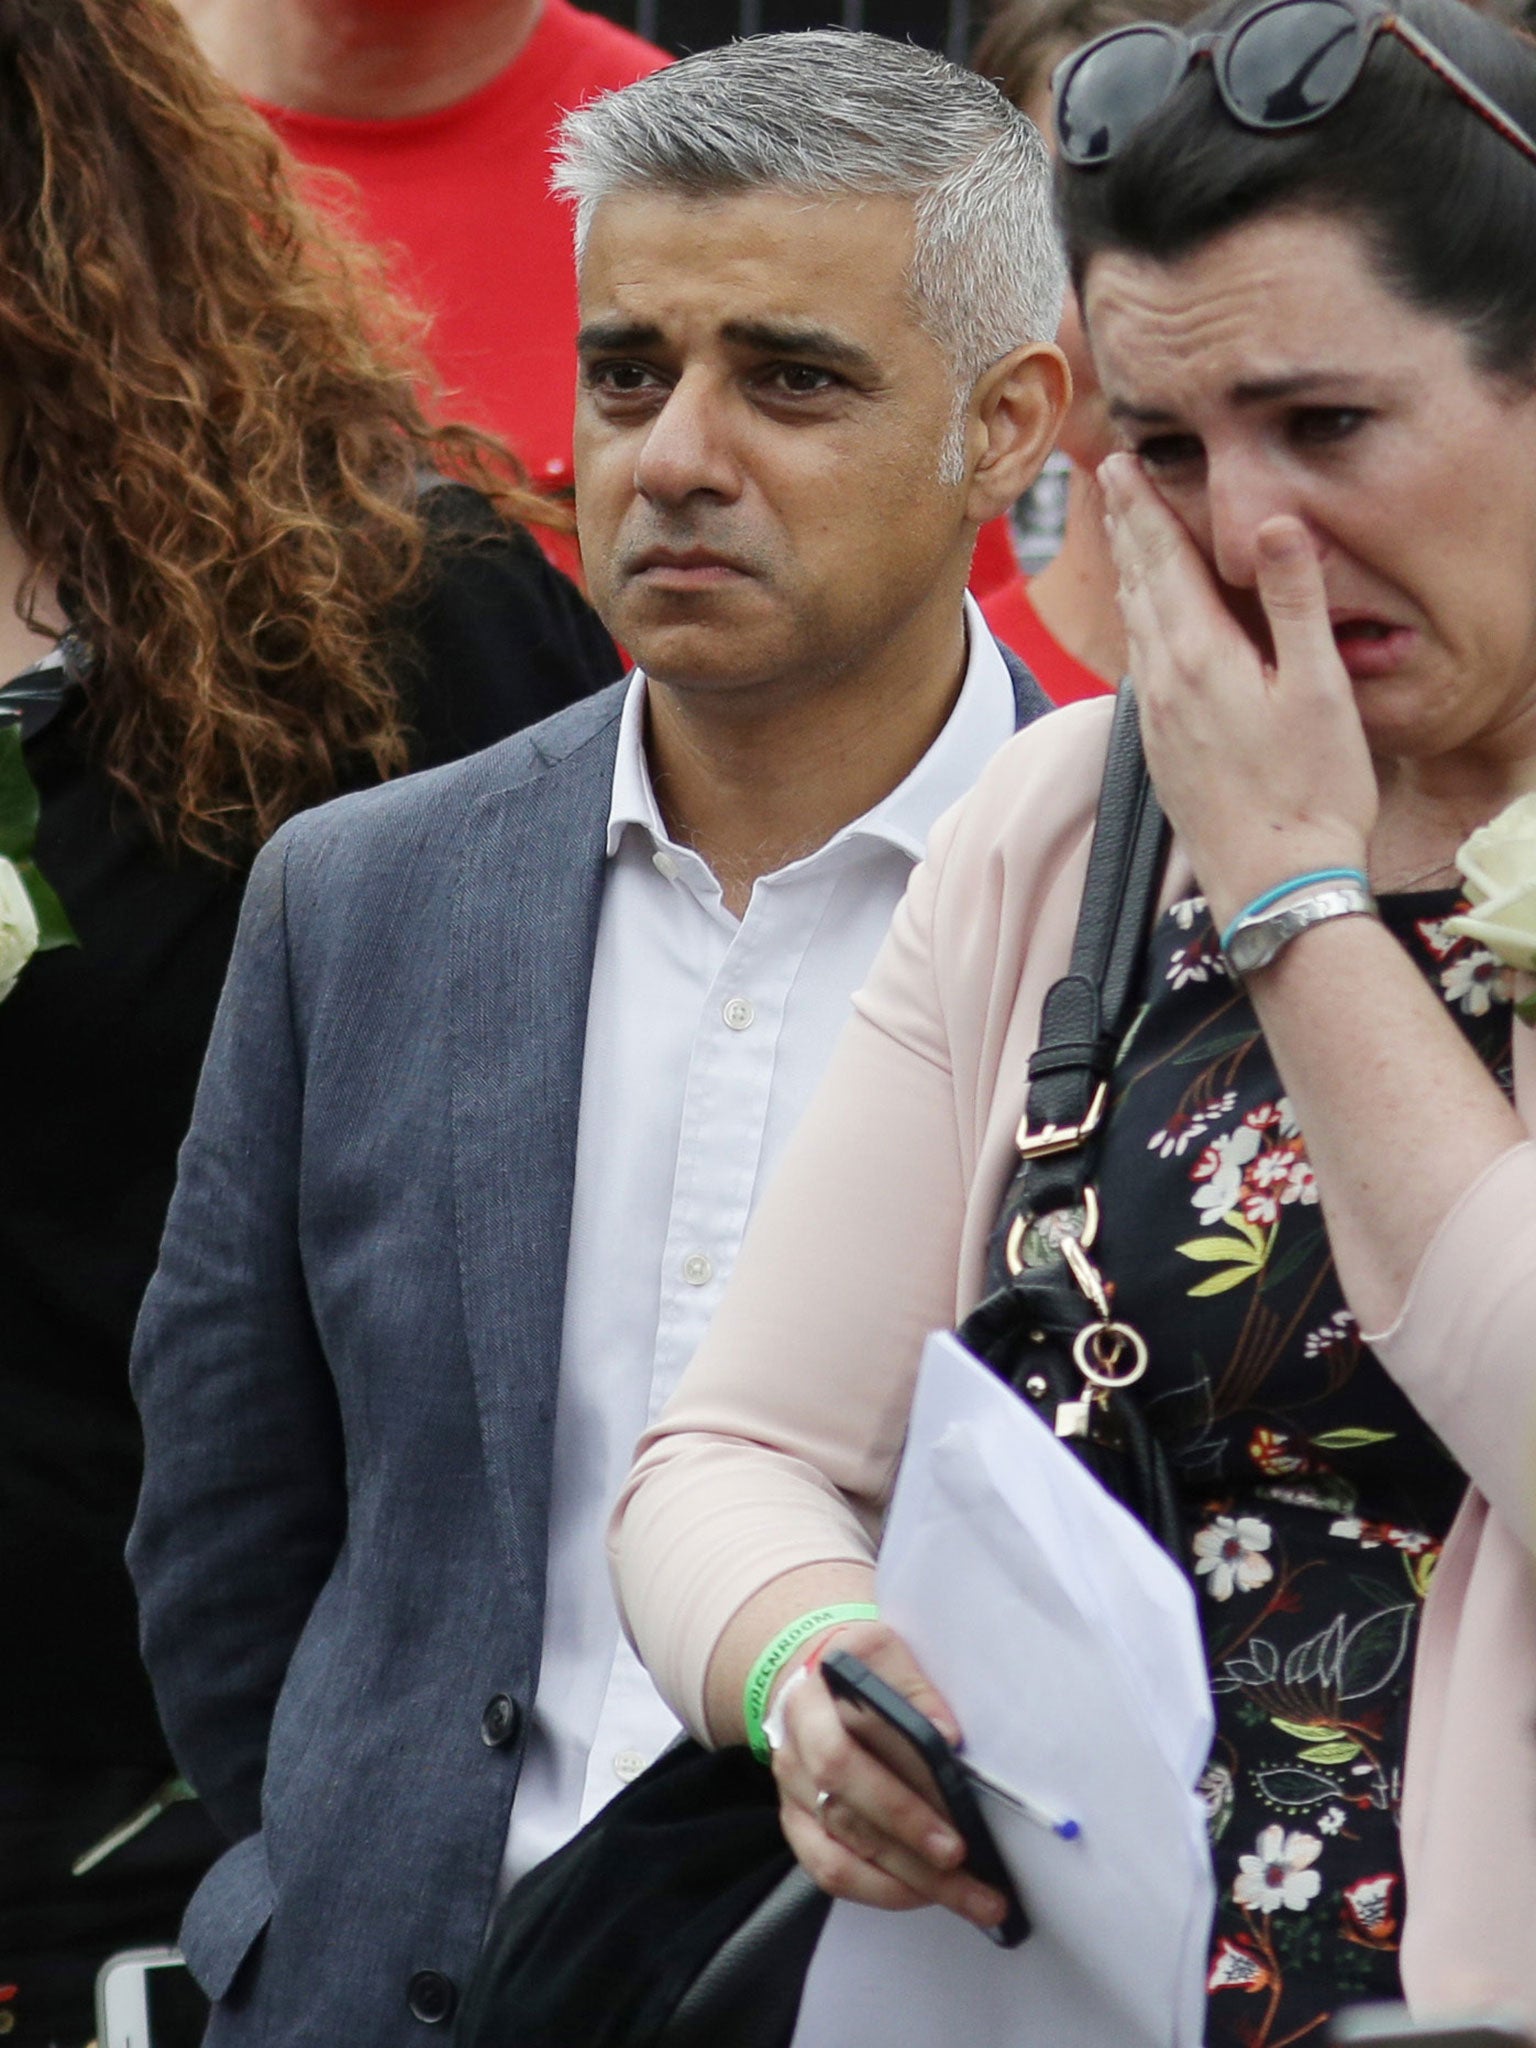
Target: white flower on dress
(1438, 937)
(1477, 981)
(1272, 1173)
(1230, 1555)
(1192, 963)
(1330, 1822)
(1280, 1874)
(1280, 1177)
(1372, 1535)
(1220, 1166)
(1234, 1968)
(1181, 1129)
(1339, 1329)
(1371, 1902)
(1186, 911)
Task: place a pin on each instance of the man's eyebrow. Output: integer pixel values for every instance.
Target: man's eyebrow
(1252, 391)
(601, 336)
(767, 337)
(819, 344)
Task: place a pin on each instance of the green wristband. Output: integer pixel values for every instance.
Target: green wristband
(754, 1700)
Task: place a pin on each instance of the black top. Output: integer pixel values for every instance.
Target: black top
(100, 1049)
(1315, 1498)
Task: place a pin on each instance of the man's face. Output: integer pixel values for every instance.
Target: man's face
(760, 428)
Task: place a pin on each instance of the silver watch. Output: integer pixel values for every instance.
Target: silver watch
(1254, 940)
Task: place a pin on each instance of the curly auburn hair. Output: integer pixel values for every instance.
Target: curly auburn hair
(213, 438)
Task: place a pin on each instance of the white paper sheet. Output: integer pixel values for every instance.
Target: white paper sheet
(1068, 1646)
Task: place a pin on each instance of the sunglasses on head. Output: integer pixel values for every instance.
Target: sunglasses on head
(1287, 63)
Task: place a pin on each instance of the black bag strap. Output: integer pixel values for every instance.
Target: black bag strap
(1043, 1303)
(1088, 1011)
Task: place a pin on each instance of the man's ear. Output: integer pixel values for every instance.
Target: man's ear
(1016, 413)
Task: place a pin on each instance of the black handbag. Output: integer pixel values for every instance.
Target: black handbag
(1047, 1324)
(678, 1917)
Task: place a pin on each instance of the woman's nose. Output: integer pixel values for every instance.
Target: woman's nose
(688, 448)
(1241, 493)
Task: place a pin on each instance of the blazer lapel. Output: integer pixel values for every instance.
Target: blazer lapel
(1029, 700)
(525, 926)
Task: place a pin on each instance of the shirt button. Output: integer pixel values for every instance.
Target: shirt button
(665, 866)
(431, 1997)
(739, 1014)
(697, 1270)
(628, 1765)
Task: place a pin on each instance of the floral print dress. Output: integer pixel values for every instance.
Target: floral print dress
(1316, 1499)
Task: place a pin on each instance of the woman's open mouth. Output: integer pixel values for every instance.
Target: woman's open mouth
(1371, 647)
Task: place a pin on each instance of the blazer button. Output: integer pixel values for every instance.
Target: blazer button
(500, 1722)
(431, 1997)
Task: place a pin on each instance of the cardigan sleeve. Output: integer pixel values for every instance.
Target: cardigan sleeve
(1463, 1347)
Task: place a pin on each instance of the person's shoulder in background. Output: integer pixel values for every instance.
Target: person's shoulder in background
(497, 639)
(609, 56)
(1009, 610)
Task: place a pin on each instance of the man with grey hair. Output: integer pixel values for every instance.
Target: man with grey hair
(509, 1050)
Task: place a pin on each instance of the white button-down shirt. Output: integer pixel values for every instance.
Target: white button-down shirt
(705, 1040)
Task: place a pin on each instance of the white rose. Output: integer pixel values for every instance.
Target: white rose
(1499, 865)
(18, 927)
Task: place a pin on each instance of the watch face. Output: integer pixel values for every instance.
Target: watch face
(1259, 939)
(1251, 947)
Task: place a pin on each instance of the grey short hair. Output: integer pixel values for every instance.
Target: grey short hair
(834, 113)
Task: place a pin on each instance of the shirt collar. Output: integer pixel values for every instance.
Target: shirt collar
(633, 801)
(985, 715)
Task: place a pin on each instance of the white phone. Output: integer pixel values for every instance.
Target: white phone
(148, 1998)
(1389, 2026)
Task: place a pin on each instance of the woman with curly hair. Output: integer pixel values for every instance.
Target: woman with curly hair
(235, 579)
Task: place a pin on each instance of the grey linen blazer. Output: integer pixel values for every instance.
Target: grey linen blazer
(347, 1367)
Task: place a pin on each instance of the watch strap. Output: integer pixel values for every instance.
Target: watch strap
(1255, 939)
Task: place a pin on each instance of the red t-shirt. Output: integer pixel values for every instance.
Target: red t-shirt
(1013, 618)
(463, 195)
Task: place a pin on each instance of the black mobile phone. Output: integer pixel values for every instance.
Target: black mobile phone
(892, 1729)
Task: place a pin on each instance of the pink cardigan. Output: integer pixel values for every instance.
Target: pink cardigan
(780, 1445)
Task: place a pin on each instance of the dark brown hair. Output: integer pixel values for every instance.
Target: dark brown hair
(213, 438)
(1446, 207)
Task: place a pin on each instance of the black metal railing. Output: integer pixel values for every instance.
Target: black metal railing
(947, 25)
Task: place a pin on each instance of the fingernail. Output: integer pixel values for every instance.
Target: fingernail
(1114, 471)
(941, 1846)
(1281, 540)
(984, 1907)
